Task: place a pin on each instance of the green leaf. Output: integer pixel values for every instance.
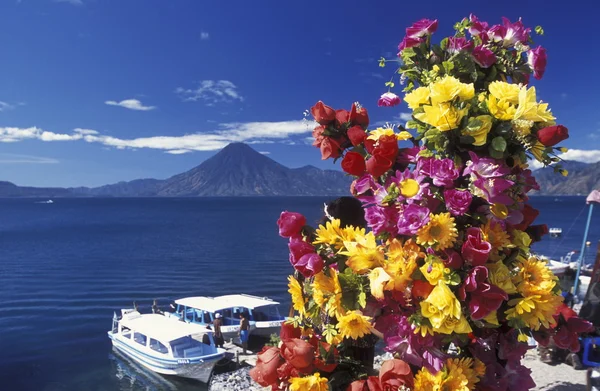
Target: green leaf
(448, 66)
(466, 139)
(539, 30)
(390, 84)
(411, 124)
(499, 144)
(504, 128)
(362, 299)
(444, 43)
(495, 154)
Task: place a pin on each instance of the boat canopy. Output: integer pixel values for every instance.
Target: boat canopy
(213, 304)
(160, 327)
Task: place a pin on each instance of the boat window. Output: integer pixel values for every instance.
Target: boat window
(126, 332)
(206, 317)
(267, 312)
(157, 346)
(227, 313)
(140, 338)
(189, 314)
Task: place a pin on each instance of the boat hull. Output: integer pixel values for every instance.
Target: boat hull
(265, 329)
(197, 369)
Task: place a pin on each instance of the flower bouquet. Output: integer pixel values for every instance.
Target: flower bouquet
(444, 272)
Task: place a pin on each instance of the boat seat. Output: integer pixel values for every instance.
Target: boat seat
(178, 350)
(192, 352)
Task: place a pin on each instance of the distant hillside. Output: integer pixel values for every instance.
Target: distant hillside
(236, 170)
(582, 179)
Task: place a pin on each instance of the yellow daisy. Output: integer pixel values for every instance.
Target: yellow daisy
(439, 232)
(298, 300)
(363, 253)
(463, 366)
(354, 325)
(377, 133)
(327, 293)
(330, 234)
(533, 311)
(424, 380)
(310, 383)
(534, 277)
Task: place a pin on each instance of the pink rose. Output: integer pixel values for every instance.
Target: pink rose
(483, 56)
(388, 99)
(476, 250)
(309, 264)
(537, 59)
(265, 371)
(290, 223)
(300, 354)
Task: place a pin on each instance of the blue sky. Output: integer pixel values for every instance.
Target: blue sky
(99, 91)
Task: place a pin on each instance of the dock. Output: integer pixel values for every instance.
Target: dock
(234, 353)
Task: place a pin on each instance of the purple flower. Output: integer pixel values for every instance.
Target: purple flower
(518, 377)
(298, 248)
(493, 190)
(443, 172)
(486, 176)
(485, 167)
(388, 99)
(309, 264)
(382, 219)
(412, 218)
(477, 27)
(458, 44)
(409, 42)
(400, 338)
(509, 33)
(457, 201)
(408, 155)
(405, 180)
(364, 184)
(537, 59)
(422, 28)
(483, 56)
(424, 165)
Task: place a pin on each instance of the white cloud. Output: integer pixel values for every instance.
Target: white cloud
(12, 158)
(211, 92)
(5, 106)
(10, 135)
(73, 2)
(131, 104)
(85, 131)
(178, 151)
(582, 155)
(204, 36)
(400, 118)
(265, 152)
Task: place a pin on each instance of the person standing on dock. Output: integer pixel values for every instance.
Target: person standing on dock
(217, 323)
(244, 332)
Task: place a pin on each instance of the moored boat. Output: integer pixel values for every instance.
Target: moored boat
(263, 312)
(164, 346)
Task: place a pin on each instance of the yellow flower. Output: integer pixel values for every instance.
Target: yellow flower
(354, 325)
(350, 233)
(310, 383)
(529, 109)
(534, 311)
(330, 234)
(492, 318)
(378, 279)
(480, 135)
(401, 263)
(363, 253)
(424, 380)
(449, 88)
(534, 277)
(494, 233)
(464, 367)
(433, 271)
(440, 231)
(501, 108)
(522, 127)
(499, 275)
(327, 293)
(521, 239)
(504, 91)
(375, 134)
(443, 116)
(417, 97)
(479, 367)
(298, 300)
(537, 150)
(522, 337)
(443, 311)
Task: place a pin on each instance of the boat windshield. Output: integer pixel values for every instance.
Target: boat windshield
(187, 347)
(265, 313)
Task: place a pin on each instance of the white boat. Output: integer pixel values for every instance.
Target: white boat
(164, 346)
(263, 313)
(555, 232)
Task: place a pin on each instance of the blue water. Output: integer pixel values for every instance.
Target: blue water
(65, 267)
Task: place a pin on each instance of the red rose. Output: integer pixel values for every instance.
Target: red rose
(529, 215)
(378, 165)
(370, 145)
(421, 289)
(371, 384)
(536, 232)
(357, 135)
(322, 113)
(552, 135)
(298, 353)
(354, 164)
(286, 371)
(342, 117)
(475, 249)
(395, 374)
(359, 116)
(329, 362)
(265, 371)
(318, 135)
(330, 148)
(387, 146)
(290, 223)
(288, 331)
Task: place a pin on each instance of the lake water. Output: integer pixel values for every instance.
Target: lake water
(65, 267)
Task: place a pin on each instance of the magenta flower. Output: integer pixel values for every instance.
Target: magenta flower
(537, 59)
(309, 264)
(412, 218)
(290, 223)
(298, 248)
(493, 190)
(518, 377)
(382, 219)
(457, 201)
(401, 176)
(484, 297)
(477, 27)
(409, 42)
(443, 172)
(453, 260)
(458, 44)
(515, 32)
(483, 56)
(424, 165)
(408, 155)
(389, 99)
(475, 250)
(422, 28)
(486, 176)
